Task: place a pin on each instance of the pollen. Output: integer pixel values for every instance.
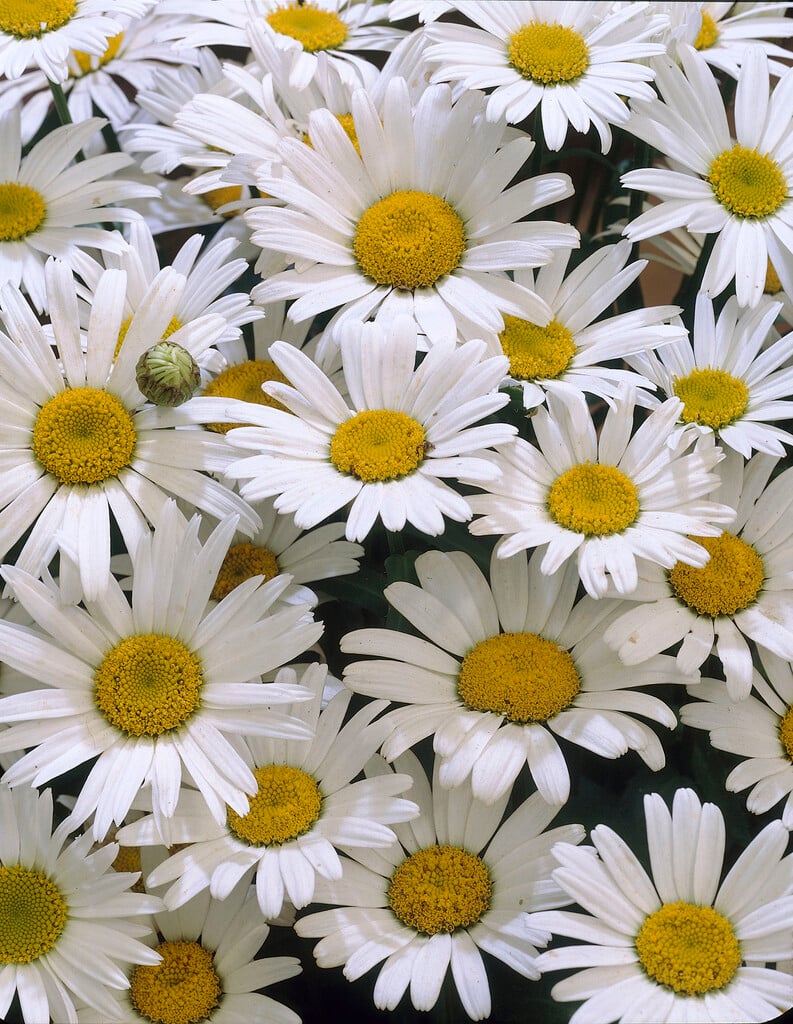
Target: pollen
(729, 582)
(378, 444)
(748, 183)
(522, 676)
(409, 240)
(83, 436)
(34, 18)
(594, 500)
(183, 988)
(708, 33)
(244, 382)
(440, 889)
(148, 684)
(712, 398)
(536, 353)
(241, 562)
(786, 733)
(548, 53)
(90, 62)
(285, 806)
(22, 210)
(312, 27)
(33, 914)
(689, 949)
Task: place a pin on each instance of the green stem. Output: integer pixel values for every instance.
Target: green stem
(687, 292)
(62, 108)
(538, 153)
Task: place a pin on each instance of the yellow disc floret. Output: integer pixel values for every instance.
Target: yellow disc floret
(730, 581)
(378, 444)
(183, 988)
(83, 436)
(241, 562)
(286, 804)
(786, 732)
(594, 500)
(690, 949)
(772, 282)
(244, 382)
(32, 914)
(22, 211)
(536, 352)
(34, 18)
(409, 240)
(314, 28)
(218, 197)
(440, 889)
(89, 62)
(547, 53)
(708, 33)
(522, 676)
(348, 124)
(747, 183)
(148, 684)
(712, 398)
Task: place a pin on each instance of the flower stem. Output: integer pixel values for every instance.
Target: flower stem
(62, 108)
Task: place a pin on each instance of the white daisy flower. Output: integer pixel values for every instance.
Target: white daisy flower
(744, 591)
(58, 900)
(306, 807)
(759, 730)
(677, 946)
(455, 884)
(508, 667)
(386, 451)
(568, 354)
(44, 32)
(209, 972)
(45, 204)
(80, 442)
(608, 499)
(424, 10)
(575, 61)
(738, 191)
(420, 222)
(155, 690)
(732, 383)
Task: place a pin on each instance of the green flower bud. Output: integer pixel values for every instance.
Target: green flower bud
(167, 374)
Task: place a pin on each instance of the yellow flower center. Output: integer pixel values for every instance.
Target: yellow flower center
(348, 124)
(786, 732)
(183, 988)
(522, 676)
(536, 352)
(712, 398)
(218, 197)
(729, 582)
(83, 436)
(244, 381)
(548, 53)
(747, 183)
(128, 859)
(32, 914)
(409, 240)
(378, 444)
(312, 27)
(593, 499)
(772, 283)
(84, 60)
(173, 325)
(148, 684)
(440, 889)
(241, 562)
(22, 211)
(708, 33)
(690, 949)
(286, 804)
(25, 18)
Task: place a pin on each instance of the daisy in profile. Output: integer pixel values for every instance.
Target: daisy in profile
(574, 61)
(508, 667)
(421, 220)
(456, 884)
(386, 450)
(210, 971)
(59, 898)
(736, 189)
(722, 32)
(607, 499)
(45, 208)
(732, 382)
(306, 807)
(744, 592)
(681, 943)
(154, 690)
(80, 442)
